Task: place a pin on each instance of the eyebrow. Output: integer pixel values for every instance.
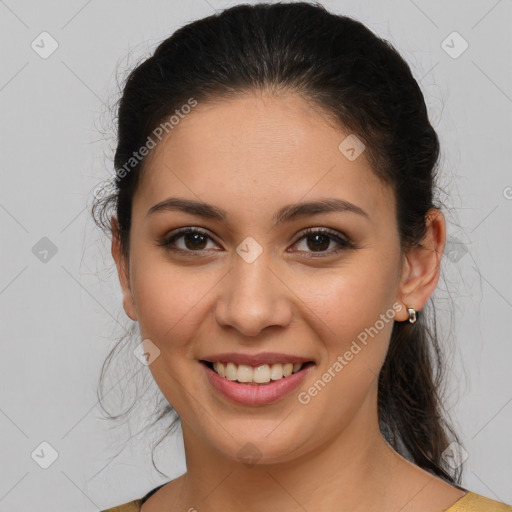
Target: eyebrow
(285, 214)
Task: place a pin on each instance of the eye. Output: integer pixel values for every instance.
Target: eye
(319, 240)
(194, 240)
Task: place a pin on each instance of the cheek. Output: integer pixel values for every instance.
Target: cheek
(351, 298)
(353, 310)
(168, 298)
(170, 304)
(355, 317)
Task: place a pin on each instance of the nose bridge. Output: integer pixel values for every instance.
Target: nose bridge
(252, 297)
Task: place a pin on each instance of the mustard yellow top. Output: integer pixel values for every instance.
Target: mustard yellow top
(470, 502)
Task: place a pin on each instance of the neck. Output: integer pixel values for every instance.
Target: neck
(344, 473)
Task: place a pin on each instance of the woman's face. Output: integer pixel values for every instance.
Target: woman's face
(249, 285)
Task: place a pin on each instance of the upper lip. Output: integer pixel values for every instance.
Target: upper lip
(255, 359)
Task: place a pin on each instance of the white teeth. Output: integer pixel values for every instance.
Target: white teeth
(276, 372)
(219, 368)
(231, 371)
(259, 375)
(244, 373)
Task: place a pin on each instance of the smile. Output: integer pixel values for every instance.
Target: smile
(240, 382)
(261, 374)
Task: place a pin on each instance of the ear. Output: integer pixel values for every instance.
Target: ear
(421, 266)
(123, 270)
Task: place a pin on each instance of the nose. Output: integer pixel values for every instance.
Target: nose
(253, 297)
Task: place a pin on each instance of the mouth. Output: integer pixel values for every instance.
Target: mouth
(268, 378)
(260, 375)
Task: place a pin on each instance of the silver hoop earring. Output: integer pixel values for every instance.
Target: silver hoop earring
(412, 315)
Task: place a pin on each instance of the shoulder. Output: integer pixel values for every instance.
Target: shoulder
(132, 506)
(472, 502)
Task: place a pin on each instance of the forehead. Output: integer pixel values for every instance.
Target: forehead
(261, 151)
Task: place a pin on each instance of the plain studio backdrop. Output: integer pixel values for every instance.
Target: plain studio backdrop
(60, 299)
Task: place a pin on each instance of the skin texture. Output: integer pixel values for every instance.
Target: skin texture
(251, 156)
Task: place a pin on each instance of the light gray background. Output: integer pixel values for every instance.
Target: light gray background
(60, 318)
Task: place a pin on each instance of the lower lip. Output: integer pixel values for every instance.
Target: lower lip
(260, 394)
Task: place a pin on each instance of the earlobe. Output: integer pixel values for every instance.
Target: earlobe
(421, 267)
(123, 272)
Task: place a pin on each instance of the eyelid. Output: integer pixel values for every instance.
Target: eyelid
(166, 240)
(325, 231)
(343, 241)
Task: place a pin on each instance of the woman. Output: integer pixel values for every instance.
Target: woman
(277, 241)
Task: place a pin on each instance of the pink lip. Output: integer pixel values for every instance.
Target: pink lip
(261, 394)
(255, 360)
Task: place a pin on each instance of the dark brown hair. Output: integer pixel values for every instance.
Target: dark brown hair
(360, 81)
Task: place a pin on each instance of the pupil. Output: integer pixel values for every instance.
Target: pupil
(316, 245)
(196, 239)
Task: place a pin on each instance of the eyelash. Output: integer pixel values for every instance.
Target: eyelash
(343, 242)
